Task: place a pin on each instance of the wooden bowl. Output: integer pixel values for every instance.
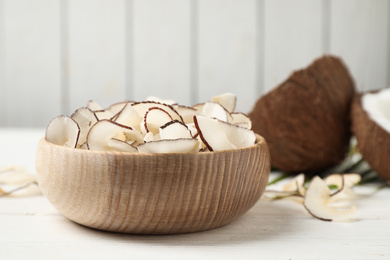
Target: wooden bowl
(152, 193)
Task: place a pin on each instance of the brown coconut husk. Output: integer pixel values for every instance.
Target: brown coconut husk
(305, 120)
(373, 141)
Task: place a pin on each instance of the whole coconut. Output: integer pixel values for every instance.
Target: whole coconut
(373, 141)
(305, 120)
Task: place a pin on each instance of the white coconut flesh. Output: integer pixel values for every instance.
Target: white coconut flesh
(227, 100)
(153, 119)
(64, 131)
(218, 135)
(103, 114)
(85, 119)
(215, 110)
(15, 175)
(317, 202)
(377, 106)
(212, 135)
(174, 130)
(242, 120)
(187, 113)
(169, 146)
(150, 137)
(296, 185)
(100, 113)
(192, 128)
(237, 135)
(100, 135)
(129, 117)
(344, 183)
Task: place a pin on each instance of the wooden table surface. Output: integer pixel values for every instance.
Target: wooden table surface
(30, 228)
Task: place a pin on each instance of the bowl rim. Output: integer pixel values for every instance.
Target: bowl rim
(260, 141)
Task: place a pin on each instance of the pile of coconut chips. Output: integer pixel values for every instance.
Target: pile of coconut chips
(155, 126)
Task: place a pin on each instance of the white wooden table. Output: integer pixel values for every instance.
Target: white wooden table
(30, 228)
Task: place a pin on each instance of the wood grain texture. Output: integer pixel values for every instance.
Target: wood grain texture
(152, 193)
(372, 140)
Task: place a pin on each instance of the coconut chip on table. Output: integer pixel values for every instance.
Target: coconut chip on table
(155, 126)
(16, 181)
(328, 199)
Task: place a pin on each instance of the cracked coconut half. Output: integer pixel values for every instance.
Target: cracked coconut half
(306, 119)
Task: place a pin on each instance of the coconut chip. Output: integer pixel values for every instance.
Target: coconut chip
(215, 110)
(101, 134)
(154, 118)
(242, 120)
(317, 202)
(128, 116)
(296, 185)
(218, 135)
(344, 184)
(64, 131)
(227, 100)
(15, 181)
(187, 113)
(175, 130)
(85, 118)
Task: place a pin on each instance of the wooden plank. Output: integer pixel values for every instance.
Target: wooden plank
(388, 46)
(227, 36)
(3, 89)
(162, 49)
(32, 81)
(359, 34)
(294, 36)
(96, 37)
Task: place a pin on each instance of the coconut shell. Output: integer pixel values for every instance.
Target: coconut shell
(305, 120)
(373, 141)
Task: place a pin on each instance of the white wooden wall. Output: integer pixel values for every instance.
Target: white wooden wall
(55, 55)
